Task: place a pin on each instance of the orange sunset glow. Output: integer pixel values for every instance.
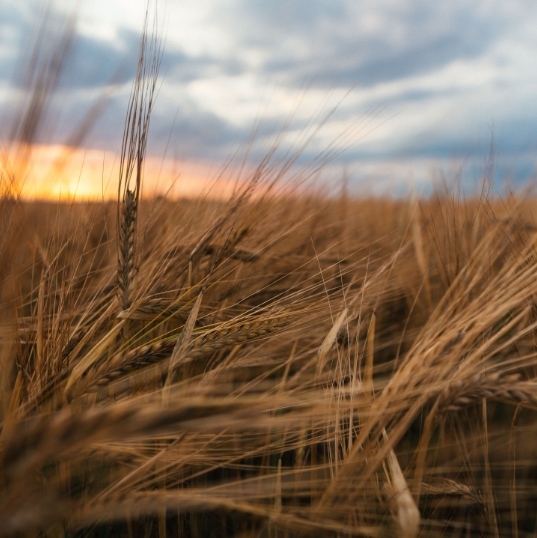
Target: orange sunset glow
(57, 172)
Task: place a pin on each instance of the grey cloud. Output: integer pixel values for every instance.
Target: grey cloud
(267, 21)
(94, 64)
(91, 62)
(375, 63)
(15, 33)
(195, 133)
(90, 66)
(329, 42)
(321, 42)
(99, 63)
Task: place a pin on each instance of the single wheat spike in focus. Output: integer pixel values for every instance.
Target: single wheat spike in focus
(133, 149)
(127, 236)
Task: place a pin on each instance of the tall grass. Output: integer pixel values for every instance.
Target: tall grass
(270, 365)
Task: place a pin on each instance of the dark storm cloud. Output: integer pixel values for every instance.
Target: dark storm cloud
(15, 22)
(35, 42)
(193, 132)
(517, 138)
(94, 63)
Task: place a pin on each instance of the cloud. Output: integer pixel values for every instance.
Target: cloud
(94, 63)
(341, 42)
(91, 66)
(444, 71)
(98, 62)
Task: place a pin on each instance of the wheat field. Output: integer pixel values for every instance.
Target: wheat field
(278, 363)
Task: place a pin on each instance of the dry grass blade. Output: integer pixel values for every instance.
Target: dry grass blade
(407, 513)
(194, 501)
(87, 364)
(183, 341)
(330, 339)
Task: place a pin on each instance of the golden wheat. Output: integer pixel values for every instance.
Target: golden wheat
(273, 364)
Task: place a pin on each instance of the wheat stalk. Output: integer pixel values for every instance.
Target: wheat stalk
(126, 249)
(133, 149)
(34, 441)
(406, 510)
(132, 361)
(446, 486)
(154, 309)
(461, 393)
(464, 392)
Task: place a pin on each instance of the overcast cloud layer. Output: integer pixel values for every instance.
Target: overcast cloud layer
(415, 82)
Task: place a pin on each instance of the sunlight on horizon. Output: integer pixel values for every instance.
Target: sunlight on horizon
(57, 172)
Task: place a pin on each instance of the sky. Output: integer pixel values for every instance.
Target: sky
(391, 95)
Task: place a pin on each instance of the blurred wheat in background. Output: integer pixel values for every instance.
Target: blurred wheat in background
(272, 363)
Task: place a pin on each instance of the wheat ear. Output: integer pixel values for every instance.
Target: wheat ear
(127, 235)
(150, 354)
(463, 392)
(509, 388)
(133, 149)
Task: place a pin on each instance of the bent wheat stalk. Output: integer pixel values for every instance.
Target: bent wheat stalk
(464, 392)
(35, 441)
(508, 388)
(150, 354)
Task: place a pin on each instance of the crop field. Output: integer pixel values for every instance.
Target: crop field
(277, 363)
